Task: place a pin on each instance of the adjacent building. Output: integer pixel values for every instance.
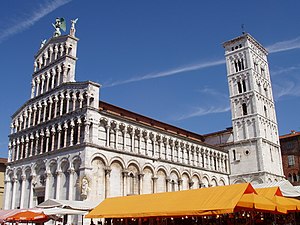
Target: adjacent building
(290, 147)
(3, 162)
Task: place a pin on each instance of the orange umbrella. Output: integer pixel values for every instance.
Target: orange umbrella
(28, 216)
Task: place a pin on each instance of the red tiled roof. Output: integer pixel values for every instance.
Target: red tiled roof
(3, 160)
(112, 109)
(292, 134)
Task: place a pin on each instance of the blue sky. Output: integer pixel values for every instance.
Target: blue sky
(163, 59)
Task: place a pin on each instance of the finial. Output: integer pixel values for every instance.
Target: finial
(60, 23)
(243, 28)
(73, 30)
(43, 43)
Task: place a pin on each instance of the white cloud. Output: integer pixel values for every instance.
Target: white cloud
(24, 23)
(284, 70)
(170, 72)
(284, 45)
(203, 111)
(213, 92)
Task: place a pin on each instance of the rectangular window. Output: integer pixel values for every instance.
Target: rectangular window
(291, 160)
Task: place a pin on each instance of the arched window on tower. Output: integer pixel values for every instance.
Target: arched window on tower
(245, 112)
(234, 155)
(244, 85)
(265, 110)
(239, 86)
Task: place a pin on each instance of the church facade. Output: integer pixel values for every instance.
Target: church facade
(65, 143)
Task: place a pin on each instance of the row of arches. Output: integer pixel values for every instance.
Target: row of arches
(64, 134)
(52, 53)
(121, 136)
(51, 107)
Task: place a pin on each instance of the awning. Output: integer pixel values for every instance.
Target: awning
(77, 205)
(287, 189)
(204, 201)
(275, 195)
(62, 211)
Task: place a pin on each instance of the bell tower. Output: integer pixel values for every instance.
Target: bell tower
(255, 155)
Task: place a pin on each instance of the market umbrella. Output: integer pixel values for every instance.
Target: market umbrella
(28, 216)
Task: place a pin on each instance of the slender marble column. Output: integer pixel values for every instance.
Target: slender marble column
(107, 182)
(22, 196)
(154, 179)
(47, 184)
(58, 178)
(13, 200)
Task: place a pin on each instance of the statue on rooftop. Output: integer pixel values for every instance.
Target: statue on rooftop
(73, 30)
(60, 23)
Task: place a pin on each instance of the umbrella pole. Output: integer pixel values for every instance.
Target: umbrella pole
(81, 219)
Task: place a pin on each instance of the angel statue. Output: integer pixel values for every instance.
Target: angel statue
(73, 30)
(60, 23)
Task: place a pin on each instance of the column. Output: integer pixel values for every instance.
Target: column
(154, 153)
(26, 146)
(39, 112)
(36, 144)
(18, 149)
(7, 194)
(74, 100)
(48, 80)
(47, 184)
(86, 131)
(31, 145)
(71, 183)
(32, 88)
(78, 133)
(65, 134)
(140, 176)
(58, 177)
(107, 134)
(154, 184)
(22, 196)
(53, 73)
(34, 115)
(146, 143)
(55, 106)
(116, 137)
(180, 184)
(25, 120)
(72, 133)
(124, 138)
(29, 116)
(125, 175)
(42, 83)
(61, 103)
(37, 86)
(172, 146)
(107, 182)
(47, 139)
(42, 136)
(59, 129)
(13, 200)
(32, 184)
(139, 149)
(50, 108)
(68, 101)
(53, 131)
(59, 70)
(168, 184)
(132, 140)
(22, 148)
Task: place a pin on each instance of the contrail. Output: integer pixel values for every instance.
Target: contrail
(169, 72)
(38, 14)
(284, 45)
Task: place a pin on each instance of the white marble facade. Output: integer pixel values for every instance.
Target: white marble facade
(67, 144)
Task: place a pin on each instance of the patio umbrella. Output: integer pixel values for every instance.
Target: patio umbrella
(28, 216)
